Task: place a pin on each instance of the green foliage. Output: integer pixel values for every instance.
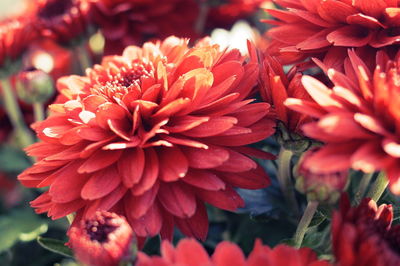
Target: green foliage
(12, 159)
(55, 245)
(20, 225)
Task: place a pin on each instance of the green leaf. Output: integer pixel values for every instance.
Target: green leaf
(55, 245)
(20, 225)
(12, 160)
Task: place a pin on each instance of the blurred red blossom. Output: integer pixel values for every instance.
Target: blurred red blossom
(62, 20)
(152, 135)
(312, 27)
(363, 235)
(127, 22)
(358, 119)
(102, 240)
(189, 252)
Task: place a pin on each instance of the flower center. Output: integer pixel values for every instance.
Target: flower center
(54, 8)
(100, 228)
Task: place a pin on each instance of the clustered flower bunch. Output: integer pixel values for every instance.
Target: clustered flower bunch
(143, 131)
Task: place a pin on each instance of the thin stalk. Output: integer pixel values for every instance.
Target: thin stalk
(70, 218)
(378, 187)
(285, 179)
(38, 111)
(14, 113)
(83, 57)
(202, 17)
(363, 186)
(304, 223)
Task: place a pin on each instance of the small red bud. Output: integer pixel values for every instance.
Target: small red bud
(34, 86)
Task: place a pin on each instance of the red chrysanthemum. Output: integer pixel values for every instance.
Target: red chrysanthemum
(276, 87)
(62, 20)
(103, 240)
(315, 26)
(363, 235)
(127, 22)
(190, 253)
(152, 135)
(358, 119)
(15, 36)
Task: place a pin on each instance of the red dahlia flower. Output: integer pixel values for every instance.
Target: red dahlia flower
(152, 135)
(127, 22)
(190, 253)
(314, 26)
(358, 119)
(363, 235)
(103, 240)
(62, 20)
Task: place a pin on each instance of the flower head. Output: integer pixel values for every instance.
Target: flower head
(323, 24)
(127, 22)
(15, 36)
(190, 253)
(62, 20)
(103, 240)
(363, 235)
(358, 119)
(152, 135)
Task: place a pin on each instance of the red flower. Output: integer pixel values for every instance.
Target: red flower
(276, 87)
(127, 22)
(363, 235)
(152, 135)
(103, 240)
(312, 27)
(190, 253)
(62, 20)
(225, 14)
(15, 36)
(322, 187)
(359, 119)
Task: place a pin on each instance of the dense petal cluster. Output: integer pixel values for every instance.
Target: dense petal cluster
(62, 20)
(320, 25)
(189, 252)
(363, 235)
(152, 135)
(103, 240)
(358, 119)
(127, 22)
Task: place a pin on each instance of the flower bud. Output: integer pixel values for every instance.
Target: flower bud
(34, 86)
(103, 240)
(324, 187)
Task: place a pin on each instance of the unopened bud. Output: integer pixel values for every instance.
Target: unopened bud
(34, 86)
(103, 240)
(321, 186)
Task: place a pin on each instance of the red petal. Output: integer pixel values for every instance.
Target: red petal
(237, 163)
(101, 184)
(214, 126)
(227, 254)
(136, 207)
(173, 163)
(227, 199)
(178, 199)
(131, 166)
(206, 158)
(99, 160)
(204, 179)
(150, 173)
(191, 252)
(197, 225)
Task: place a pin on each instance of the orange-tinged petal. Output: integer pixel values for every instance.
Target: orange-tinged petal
(100, 184)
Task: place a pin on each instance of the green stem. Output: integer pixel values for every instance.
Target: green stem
(70, 218)
(363, 186)
(14, 113)
(285, 178)
(304, 223)
(38, 111)
(378, 187)
(83, 57)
